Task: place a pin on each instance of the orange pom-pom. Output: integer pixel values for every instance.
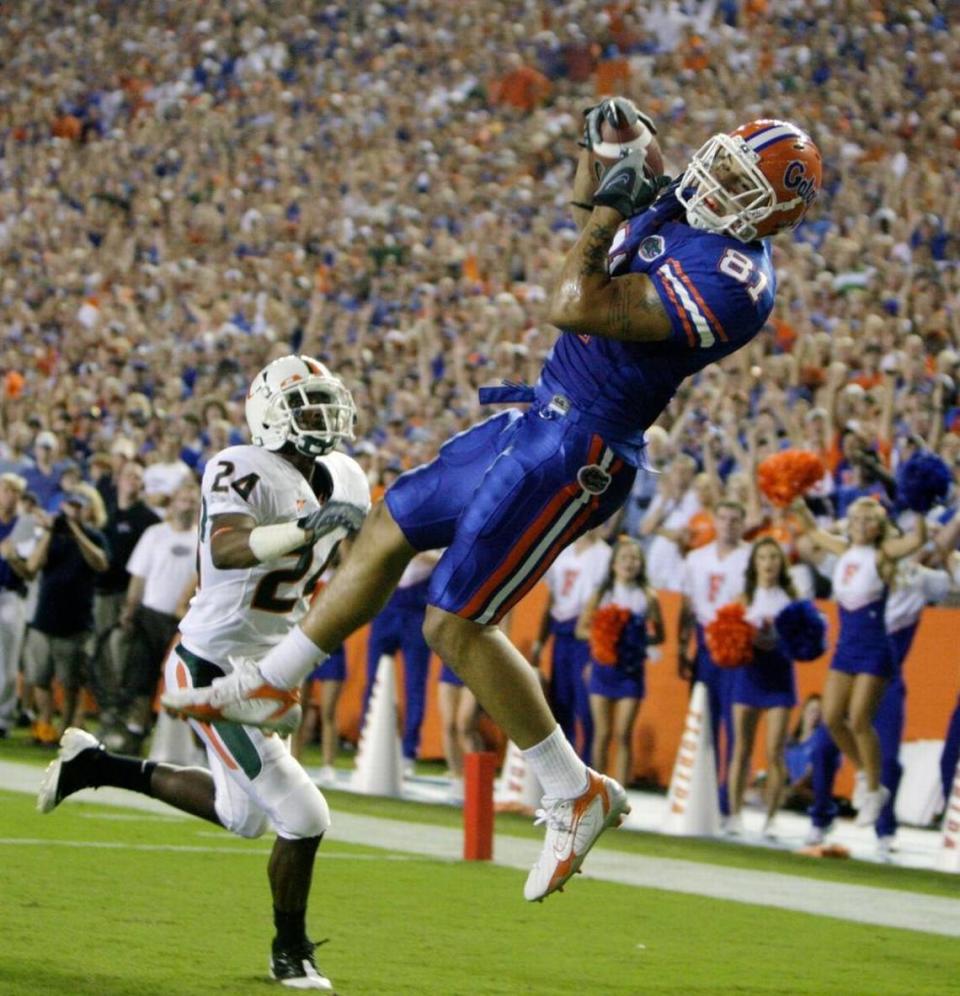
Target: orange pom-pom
(605, 630)
(786, 475)
(730, 637)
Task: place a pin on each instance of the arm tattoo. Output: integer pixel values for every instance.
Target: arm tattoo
(595, 249)
(629, 307)
(621, 308)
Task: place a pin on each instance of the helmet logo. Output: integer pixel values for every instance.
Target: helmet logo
(795, 178)
(287, 381)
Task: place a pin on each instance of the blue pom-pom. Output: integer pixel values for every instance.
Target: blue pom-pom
(801, 631)
(923, 481)
(632, 646)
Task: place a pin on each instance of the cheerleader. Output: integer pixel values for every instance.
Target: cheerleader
(459, 719)
(862, 662)
(914, 587)
(320, 694)
(766, 685)
(616, 690)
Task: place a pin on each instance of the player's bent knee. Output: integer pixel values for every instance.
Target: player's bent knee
(446, 634)
(249, 822)
(303, 816)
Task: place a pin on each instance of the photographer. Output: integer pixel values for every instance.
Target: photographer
(867, 476)
(71, 552)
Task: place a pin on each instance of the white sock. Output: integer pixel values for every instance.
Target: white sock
(554, 761)
(291, 660)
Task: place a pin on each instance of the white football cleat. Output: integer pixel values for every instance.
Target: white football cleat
(239, 697)
(51, 792)
(573, 826)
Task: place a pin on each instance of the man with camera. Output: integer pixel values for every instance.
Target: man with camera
(866, 476)
(71, 552)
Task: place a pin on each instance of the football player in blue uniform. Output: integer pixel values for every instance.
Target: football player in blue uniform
(659, 283)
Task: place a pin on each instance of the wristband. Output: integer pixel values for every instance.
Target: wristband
(271, 542)
(291, 660)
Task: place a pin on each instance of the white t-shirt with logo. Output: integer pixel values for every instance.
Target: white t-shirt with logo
(574, 576)
(711, 581)
(165, 558)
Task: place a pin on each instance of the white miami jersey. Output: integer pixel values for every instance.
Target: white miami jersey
(710, 581)
(245, 611)
(856, 580)
(574, 576)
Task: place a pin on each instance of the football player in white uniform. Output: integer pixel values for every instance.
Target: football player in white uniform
(261, 550)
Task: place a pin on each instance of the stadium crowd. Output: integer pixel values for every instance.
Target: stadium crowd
(385, 187)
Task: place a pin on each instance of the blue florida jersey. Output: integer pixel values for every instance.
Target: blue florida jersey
(718, 293)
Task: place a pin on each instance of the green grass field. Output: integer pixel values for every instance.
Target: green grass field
(99, 900)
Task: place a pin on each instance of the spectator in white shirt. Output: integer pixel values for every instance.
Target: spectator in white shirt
(162, 576)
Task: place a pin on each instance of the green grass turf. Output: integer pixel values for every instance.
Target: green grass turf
(131, 919)
(721, 852)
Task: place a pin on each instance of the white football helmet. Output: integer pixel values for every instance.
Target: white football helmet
(297, 400)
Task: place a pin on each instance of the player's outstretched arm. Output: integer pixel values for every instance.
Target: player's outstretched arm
(586, 299)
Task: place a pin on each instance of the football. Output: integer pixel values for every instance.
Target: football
(619, 139)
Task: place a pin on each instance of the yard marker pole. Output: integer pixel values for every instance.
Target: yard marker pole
(478, 770)
(378, 769)
(692, 806)
(518, 790)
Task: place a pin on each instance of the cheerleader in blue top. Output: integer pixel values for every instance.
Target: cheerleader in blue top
(616, 691)
(862, 662)
(766, 686)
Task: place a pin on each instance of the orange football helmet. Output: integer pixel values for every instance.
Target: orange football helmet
(757, 181)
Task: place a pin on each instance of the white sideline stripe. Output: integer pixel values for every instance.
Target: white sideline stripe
(112, 845)
(836, 900)
(135, 818)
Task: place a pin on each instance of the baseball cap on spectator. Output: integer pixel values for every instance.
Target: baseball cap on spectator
(69, 467)
(47, 439)
(365, 447)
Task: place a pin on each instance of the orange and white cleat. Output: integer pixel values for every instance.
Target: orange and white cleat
(239, 697)
(573, 827)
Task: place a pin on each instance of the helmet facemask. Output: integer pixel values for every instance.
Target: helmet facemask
(724, 190)
(318, 414)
